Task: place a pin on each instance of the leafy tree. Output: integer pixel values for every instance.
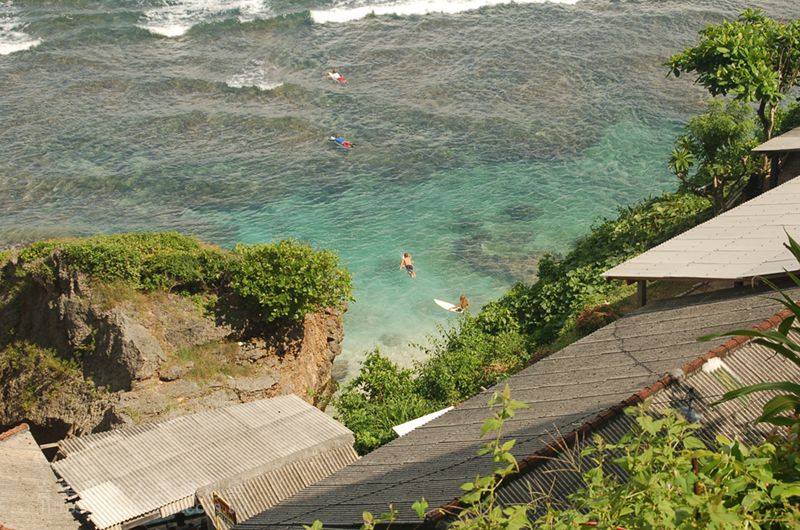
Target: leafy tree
(720, 143)
(755, 58)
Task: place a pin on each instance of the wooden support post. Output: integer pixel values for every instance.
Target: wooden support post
(641, 292)
(774, 168)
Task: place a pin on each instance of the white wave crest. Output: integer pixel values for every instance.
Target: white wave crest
(412, 7)
(11, 38)
(173, 19)
(254, 74)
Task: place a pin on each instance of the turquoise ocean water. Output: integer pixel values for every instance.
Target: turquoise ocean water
(487, 132)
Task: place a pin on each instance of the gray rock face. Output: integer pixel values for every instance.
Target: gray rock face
(130, 358)
(130, 350)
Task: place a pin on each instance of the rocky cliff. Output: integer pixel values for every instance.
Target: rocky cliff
(80, 357)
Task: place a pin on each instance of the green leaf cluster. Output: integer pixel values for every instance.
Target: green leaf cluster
(380, 397)
(755, 58)
(782, 341)
(719, 144)
(43, 372)
(288, 279)
(674, 481)
(481, 507)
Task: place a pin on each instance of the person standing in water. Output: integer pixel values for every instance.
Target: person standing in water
(407, 265)
(463, 305)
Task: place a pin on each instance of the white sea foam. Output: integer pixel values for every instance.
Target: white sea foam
(254, 74)
(11, 38)
(173, 19)
(358, 10)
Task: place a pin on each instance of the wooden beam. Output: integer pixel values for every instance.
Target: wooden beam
(641, 292)
(774, 169)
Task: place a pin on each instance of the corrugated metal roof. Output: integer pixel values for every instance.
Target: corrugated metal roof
(565, 391)
(30, 497)
(789, 141)
(738, 245)
(750, 364)
(255, 491)
(123, 474)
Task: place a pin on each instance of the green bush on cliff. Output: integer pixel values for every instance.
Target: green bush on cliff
(287, 279)
(381, 397)
(47, 372)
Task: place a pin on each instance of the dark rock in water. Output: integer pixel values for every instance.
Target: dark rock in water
(511, 262)
(392, 340)
(340, 371)
(523, 212)
(466, 226)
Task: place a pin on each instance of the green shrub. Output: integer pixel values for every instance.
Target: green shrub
(733, 487)
(466, 358)
(381, 397)
(458, 363)
(44, 371)
(288, 279)
(39, 249)
(168, 269)
(106, 261)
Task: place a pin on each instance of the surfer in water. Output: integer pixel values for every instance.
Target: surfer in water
(339, 140)
(335, 76)
(463, 305)
(407, 265)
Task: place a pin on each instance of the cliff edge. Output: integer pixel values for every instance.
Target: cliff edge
(80, 356)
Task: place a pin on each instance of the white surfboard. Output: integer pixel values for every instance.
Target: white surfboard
(448, 306)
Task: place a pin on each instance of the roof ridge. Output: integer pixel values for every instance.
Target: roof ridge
(11, 432)
(551, 450)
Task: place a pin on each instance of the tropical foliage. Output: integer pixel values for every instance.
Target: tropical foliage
(719, 142)
(755, 58)
(288, 278)
(784, 342)
(456, 366)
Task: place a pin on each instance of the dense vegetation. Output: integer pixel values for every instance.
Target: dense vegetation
(282, 280)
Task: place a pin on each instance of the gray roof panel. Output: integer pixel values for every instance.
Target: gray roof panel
(789, 141)
(31, 497)
(737, 245)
